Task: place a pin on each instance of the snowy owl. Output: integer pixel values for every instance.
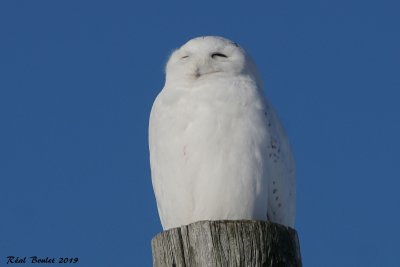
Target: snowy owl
(217, 148)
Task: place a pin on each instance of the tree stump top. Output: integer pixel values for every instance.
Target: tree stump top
(227, 243)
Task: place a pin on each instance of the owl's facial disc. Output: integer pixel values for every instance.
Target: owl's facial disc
(205, 57)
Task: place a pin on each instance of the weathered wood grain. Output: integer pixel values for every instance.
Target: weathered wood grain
(227, 243)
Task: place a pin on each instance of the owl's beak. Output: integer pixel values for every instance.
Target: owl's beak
(203, 71)
(201, 68)
(197, 73)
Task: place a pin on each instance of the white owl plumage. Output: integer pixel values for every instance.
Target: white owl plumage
(217, 148)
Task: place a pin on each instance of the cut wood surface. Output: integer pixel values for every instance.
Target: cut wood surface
(227, 243)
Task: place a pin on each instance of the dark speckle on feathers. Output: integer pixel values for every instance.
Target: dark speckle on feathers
(274, 150)
(273, 144)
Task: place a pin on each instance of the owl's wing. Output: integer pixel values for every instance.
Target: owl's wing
(282, 185)
(155, 125)
(165, 156)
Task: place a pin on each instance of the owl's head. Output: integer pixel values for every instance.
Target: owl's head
(206, 57)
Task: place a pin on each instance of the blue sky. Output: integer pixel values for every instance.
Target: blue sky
(77, 81)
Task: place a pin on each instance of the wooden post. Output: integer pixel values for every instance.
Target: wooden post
(227, 243)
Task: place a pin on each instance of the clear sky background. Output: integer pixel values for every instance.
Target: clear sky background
(77, 81)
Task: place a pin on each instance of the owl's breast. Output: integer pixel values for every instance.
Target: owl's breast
(211, 129)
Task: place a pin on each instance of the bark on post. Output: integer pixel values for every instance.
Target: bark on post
(227, 243)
